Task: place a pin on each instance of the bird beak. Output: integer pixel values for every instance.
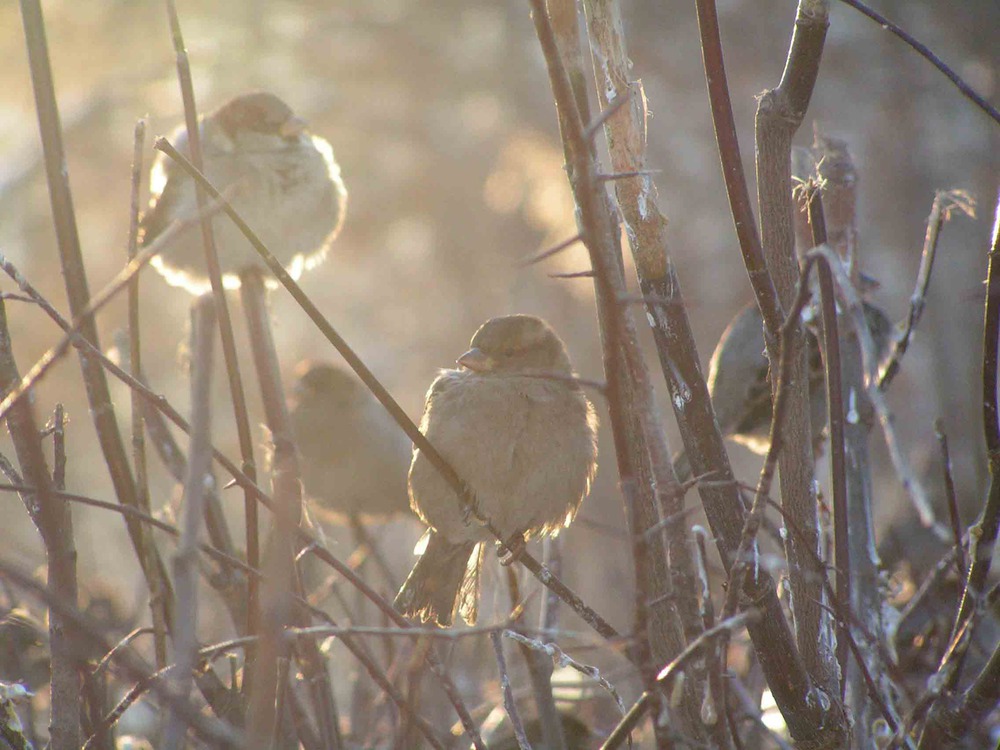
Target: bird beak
(292, 127)
(476, 361)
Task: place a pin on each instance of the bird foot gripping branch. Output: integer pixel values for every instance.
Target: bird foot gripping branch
(511, 550)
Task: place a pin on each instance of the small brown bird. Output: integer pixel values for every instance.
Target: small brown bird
(285, 182)
(739, 381)
(524, 443)
(354, 456)
(24, 649)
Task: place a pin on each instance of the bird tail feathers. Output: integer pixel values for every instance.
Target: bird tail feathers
(444, 580)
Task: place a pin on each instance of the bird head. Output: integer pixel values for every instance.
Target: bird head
(257, 119)
(516, 344)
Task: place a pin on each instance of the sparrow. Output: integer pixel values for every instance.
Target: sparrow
(740, 386)
(284, 183)
(24, 649)
(521, 435)
(354, 457)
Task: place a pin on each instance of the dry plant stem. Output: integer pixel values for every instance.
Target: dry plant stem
(229, 586)
(951, 498)
(835, 410)
(859, 578)
(276, 611)
(924, 51)
(508, 694)
(640, 450)
(225, 321)
(912, 484)
(732, 169)
(802, 712)
(669, 672)
(54, 522)
(847, 620)
(156, 594)
(95, 690)
(59, 447)
(945, 201)
(554, 652)
(780, 111)
(540, 668)
(645, 225)
(680, 364)
(983, 535)
(385, 398)
(538, 663)
(89, 643)
(98, 395)
(715, 698)
(186, 557)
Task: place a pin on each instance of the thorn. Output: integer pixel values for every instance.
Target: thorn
(616, 104)
(626, 175)
(530, 261)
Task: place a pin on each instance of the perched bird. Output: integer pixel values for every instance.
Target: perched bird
(24, 649)
(525, 444)
(739, 381)
(285, 184)
(353, 455)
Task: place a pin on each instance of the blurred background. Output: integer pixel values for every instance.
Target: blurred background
(440, 114)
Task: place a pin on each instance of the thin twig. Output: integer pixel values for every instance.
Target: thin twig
(834, 371)
(156, 593)
(846, 617)
(508, 695)
(983, 534)
(924, 51)
(780, 112)
(667, 674)
(77, 290)
(740, 205)
(286, 481)
(54, 522)
(855, 310)
(565, 660)
(203, 319)
(641, 454)
(945, 201)
(225, 321)
(951, 498)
